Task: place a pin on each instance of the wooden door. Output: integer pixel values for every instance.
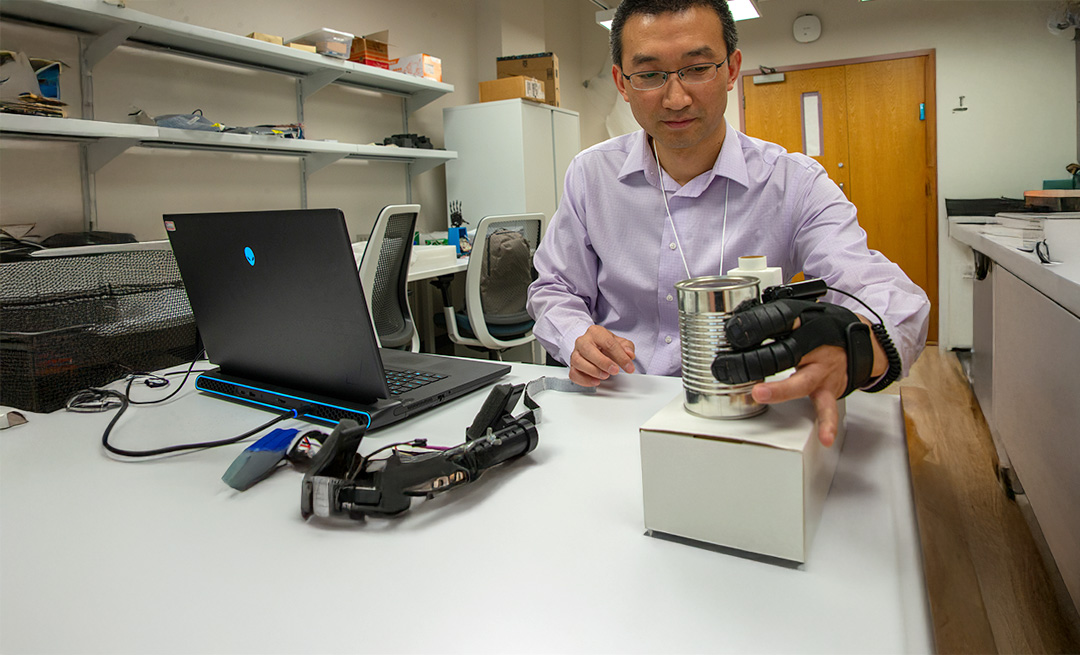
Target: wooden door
(777, 115)
(877, 143)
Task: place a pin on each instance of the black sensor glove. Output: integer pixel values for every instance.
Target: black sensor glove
(822, 324)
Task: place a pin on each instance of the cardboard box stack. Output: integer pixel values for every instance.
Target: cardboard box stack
(269, 38)
(326, 42)
(543, 66)
(371, 49)
(512, 87)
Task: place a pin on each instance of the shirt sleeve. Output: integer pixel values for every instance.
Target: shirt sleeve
(562, 298)
(832, 246)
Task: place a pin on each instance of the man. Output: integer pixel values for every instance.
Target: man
(685, 197)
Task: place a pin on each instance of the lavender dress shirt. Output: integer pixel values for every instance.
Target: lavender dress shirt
(610, 256)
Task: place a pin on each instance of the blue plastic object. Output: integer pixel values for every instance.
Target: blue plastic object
(260, 459)
(455, 235)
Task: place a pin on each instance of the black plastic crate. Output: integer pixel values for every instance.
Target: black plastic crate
(67, 323)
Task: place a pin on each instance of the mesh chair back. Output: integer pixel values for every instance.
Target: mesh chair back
(507, 269)
(389, 304)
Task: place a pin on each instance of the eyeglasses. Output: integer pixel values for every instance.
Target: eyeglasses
(692, 74)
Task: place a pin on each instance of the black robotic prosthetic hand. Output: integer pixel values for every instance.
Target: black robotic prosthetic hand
(822, 324)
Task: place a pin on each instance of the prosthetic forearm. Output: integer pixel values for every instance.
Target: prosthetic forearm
(342, 482)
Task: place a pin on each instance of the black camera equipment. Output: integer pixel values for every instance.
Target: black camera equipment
(409, 141)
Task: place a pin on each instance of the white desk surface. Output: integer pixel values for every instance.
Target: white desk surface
(546, 554)
(422, 268)
(423, 271)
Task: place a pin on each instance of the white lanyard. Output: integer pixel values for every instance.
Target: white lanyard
(723, 229)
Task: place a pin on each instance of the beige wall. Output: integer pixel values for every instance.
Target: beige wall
(1018, 79)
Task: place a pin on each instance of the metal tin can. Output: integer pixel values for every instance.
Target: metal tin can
(704, 304)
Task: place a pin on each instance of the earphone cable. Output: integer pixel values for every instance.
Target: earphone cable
(663, 194)
(667, 209)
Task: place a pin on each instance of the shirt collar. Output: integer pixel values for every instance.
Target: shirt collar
(730, 164)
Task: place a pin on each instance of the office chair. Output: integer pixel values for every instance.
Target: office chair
(495, 318)
(384, 273)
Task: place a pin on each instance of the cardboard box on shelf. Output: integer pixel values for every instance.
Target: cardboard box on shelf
(301, 46)
(512, 87)
(543, 66)
(420, 65)
(269, 38)
(371, 49)
(757, 485)
(331, 43)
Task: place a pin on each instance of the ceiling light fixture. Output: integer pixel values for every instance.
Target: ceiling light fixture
(740, 10)
(604, 17)
(743, 9)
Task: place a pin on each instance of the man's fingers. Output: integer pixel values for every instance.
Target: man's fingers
(828, 415)
(821, 376)
(615, 349)
(600, 353)
(628, 348)
(583, 379)
(799, 385)
(599, 371)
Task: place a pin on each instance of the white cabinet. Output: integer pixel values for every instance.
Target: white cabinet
(1026, 370)
(1035, 413)
(512, 156)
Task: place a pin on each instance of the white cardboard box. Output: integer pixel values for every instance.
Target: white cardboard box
(756, 484)
(420, 65)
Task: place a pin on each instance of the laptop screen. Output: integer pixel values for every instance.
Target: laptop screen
(277, 298)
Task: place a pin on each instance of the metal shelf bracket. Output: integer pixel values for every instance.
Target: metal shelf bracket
(104, 151)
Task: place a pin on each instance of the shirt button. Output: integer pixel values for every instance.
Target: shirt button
(667, 339)
(669, 297)
(671, 245)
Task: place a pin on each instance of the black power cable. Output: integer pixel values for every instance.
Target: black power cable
(97, 400)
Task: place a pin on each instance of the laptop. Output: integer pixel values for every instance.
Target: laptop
(277, 299)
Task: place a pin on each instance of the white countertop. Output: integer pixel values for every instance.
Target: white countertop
(1059, 282)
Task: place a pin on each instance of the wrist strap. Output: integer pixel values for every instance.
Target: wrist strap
(860, 355)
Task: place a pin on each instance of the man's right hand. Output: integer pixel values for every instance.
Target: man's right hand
(599, 354)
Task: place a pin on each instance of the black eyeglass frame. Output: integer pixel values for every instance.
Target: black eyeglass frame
(681, 73)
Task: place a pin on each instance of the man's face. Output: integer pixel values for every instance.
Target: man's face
(678, 115)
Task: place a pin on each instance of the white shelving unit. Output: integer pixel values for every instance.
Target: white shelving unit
(103, 27)
(108, 140)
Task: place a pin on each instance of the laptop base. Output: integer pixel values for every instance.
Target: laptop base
(313, 407)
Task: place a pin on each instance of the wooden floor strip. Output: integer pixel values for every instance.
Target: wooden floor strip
(988, 589)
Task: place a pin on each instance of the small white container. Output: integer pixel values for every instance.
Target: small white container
(757, 266)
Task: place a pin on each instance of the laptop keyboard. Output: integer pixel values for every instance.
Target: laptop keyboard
(400, 382)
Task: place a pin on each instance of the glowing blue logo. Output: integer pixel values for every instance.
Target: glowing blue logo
(250, 254)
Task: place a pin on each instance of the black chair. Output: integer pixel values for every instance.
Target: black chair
(384, 273)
